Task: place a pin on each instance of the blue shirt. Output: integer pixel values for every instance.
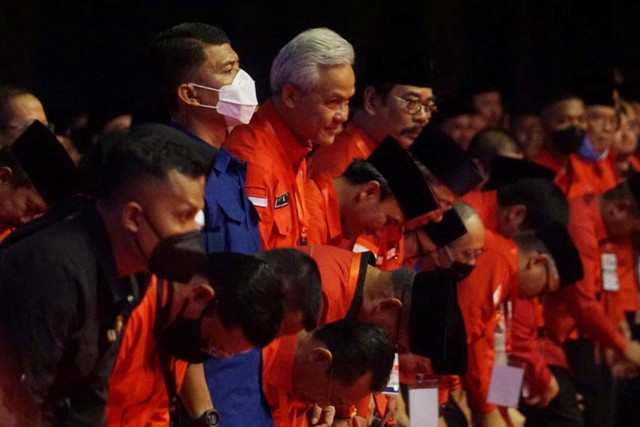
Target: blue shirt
(231, 224)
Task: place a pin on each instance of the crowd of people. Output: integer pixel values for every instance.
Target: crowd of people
(325, 257)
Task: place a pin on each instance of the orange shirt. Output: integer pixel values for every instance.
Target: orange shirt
(526, 345)
(342, 273)
(579, 305)
(486, 204)
(276, 176)
(324, 213)
(580, 177)
(353, 143)
(544, 158)
(137, 391)
(277, 383)
(491, 282)
(617, 303)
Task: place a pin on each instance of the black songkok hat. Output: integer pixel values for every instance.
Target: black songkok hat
(449, 229)
(507, 170)
(452, 108)
(445, 159)
(404, 65)
(436, 327)
(405, 179)
(598, 94)
(46, 162)
(564, 252)
(633, 182)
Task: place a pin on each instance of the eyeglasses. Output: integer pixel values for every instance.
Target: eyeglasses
(22, 127)
(604, 123)
(413, 106)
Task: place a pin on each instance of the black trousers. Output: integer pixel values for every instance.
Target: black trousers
(562, 411)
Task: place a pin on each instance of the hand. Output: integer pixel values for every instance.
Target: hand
(396, 410)
(632, 352)
(322, 417)
(516, 417)
(548, 394)
(491, 419)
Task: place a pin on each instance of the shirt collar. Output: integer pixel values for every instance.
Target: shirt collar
(295, 149)
(358, 134)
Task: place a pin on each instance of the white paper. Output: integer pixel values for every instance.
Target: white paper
(423, 407)
(393, 386)
(506, 383)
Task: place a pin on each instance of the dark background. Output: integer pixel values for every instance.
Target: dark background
(76, 55)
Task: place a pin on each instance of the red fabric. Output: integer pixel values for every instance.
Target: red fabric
(578, 305)
(411, 365)
(580, 177)
(276, 171)
(486, 203)
(626, 299)
(544, 158)
(493, 279)
(353, 143)
(526, 346)
(339, 272)
(324, 213)
(137, 391)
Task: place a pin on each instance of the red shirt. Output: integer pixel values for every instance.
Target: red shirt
(580, 177)
(276, 176)
(544, 158)
(494, 278)
(578, 305)
(353, 143)
(325, 227)
(137, 391)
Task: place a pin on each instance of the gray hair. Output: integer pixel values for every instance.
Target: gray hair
(298, 61)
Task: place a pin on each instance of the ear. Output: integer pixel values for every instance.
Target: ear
(199, 298)
(517, 214)
(321, 355)
(289, 96)
(368, 189)
(6, 174)
(369, 99)
(187, 94)
(131, 216)
(388, 306)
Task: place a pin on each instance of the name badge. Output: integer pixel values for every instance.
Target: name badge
(424, 405)
(393, 386)
(505, 386)
(282, 201)
(610, 280)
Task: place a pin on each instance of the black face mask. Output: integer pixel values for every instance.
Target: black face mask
(568, 140)
(183, 338)
(178, 258)
(461, 270)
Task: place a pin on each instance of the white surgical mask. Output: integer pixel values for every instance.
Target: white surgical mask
(236, 102)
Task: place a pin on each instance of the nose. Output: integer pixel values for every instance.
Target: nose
(342, 113)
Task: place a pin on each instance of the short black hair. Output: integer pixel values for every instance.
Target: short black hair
(361, 171)
(7, 94)
(176, 52)
(302, 285)
(492, 142)
(545, 202)
(248, 295)
(358, 348)
(123, 160)
(19, 177)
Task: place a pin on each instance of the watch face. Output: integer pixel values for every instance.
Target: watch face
(212, 419)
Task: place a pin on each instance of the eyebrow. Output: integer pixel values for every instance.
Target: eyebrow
(416, 94)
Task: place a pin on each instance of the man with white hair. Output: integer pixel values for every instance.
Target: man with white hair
(312, 80)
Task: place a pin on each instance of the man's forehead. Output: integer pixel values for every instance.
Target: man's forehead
(418, 91)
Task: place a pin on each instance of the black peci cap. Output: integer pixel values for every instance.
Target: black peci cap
(449, 229)
(46, 162)
(564, 252)
(405, 179)
(445, 159)
(406, 65)
(436, 327)
(507, 170)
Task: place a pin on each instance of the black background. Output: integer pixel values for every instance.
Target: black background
(75, 55)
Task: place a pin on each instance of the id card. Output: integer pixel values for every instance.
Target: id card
(393, 386)
(610, 280)
(506, 383)
(423, 405)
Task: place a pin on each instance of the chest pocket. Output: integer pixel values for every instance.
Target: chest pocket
(283, 220)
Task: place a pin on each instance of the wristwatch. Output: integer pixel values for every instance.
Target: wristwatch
(209, 418)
